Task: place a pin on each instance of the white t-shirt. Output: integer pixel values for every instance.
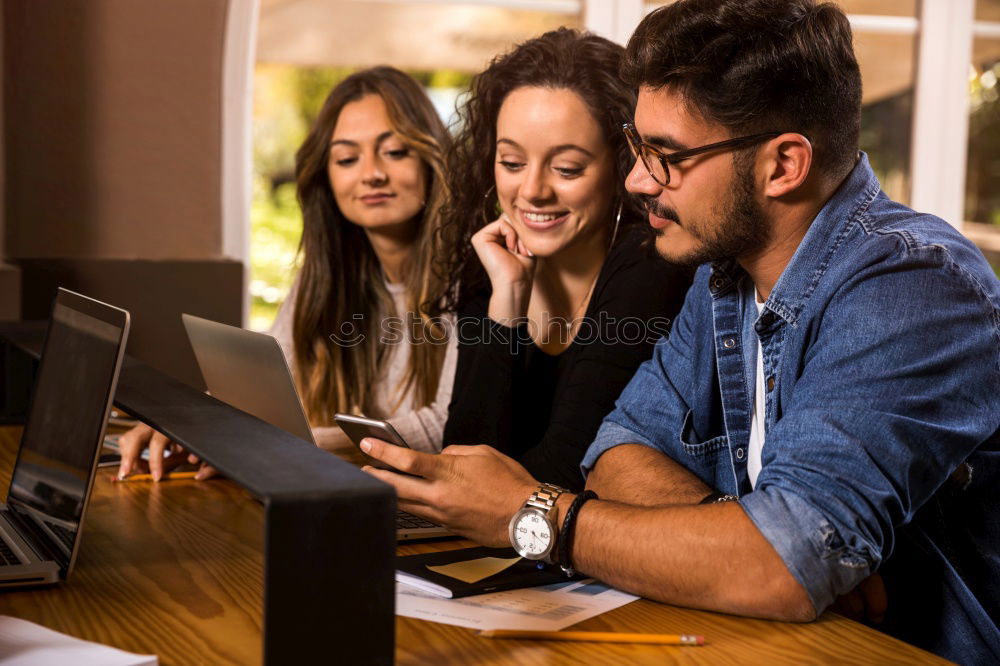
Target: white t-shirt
(757, 422)
(421, 427)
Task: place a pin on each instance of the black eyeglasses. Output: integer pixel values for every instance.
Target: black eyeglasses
(657, 162)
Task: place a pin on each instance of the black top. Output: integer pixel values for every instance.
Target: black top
(545, 410)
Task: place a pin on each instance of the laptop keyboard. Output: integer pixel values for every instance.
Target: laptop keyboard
(407, 521)
(65, 535)
(7, 556)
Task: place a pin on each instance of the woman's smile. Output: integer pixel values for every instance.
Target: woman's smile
(541, 221)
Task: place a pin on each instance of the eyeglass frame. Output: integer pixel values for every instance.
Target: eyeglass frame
(666, 159)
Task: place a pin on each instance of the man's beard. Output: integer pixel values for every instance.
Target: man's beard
(741, 226)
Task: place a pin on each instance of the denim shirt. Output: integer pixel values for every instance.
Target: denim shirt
(881, 346)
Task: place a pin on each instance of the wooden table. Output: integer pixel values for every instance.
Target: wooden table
(174, 569)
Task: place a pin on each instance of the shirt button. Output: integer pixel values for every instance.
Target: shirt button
(770, 384)
(718, 283)
(729, 343)
(739, 454)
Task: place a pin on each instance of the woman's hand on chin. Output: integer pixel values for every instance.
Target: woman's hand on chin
(510, 267)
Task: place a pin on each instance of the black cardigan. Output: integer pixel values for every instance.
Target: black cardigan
(545, 410)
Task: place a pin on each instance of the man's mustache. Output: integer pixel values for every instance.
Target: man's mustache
(659, 210)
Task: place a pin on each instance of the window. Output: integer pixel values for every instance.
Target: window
(982, 183)
(305, 47)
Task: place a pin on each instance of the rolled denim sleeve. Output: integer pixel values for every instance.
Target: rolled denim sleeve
(609, 436)
(891, 401)
(810, 546)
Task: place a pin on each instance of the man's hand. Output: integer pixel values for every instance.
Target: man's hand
(472, 490)
(865, 603)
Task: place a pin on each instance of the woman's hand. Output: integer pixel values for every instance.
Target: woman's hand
(510, 267)
(138, 438)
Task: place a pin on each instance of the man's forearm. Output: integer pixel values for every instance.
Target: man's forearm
(642, 476)
(710, 557)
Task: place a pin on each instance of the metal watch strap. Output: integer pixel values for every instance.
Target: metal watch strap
(545, 497)
(541, 502)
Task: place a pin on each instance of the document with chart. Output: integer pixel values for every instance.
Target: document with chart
(547, 608)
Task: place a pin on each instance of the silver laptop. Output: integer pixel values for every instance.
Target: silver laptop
(248, 370)
(53, 475)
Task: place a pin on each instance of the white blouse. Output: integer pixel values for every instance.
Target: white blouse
(421, 427)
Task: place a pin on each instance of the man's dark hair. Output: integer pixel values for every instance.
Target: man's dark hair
(757, 66)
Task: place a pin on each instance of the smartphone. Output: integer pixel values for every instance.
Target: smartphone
(359, 427)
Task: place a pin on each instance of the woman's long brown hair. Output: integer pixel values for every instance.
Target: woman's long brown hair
(341, 288)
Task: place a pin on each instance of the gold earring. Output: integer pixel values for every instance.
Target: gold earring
(497, 208)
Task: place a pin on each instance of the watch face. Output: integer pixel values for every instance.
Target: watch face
(531, 534)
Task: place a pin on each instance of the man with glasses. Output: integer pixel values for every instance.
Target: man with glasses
(823, 420)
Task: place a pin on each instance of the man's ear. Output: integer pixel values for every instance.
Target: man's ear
(788, 161)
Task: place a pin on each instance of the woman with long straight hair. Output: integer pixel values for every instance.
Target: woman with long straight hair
(371, 184)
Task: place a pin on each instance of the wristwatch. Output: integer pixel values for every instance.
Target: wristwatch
(532, 532)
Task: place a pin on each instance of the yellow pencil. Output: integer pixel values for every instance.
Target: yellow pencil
(169, 476)
(596, 637)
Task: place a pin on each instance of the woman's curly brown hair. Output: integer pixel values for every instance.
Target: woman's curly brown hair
(561, 59)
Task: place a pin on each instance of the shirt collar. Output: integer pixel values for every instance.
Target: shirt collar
(811, 258)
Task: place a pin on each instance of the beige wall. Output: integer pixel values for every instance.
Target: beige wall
(2, 177)
(113, 128)
(113, 149)
(10, 276)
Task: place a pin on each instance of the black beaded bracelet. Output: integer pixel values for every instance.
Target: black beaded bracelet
(568, 528)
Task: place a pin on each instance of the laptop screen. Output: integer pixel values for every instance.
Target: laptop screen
(66, 419)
